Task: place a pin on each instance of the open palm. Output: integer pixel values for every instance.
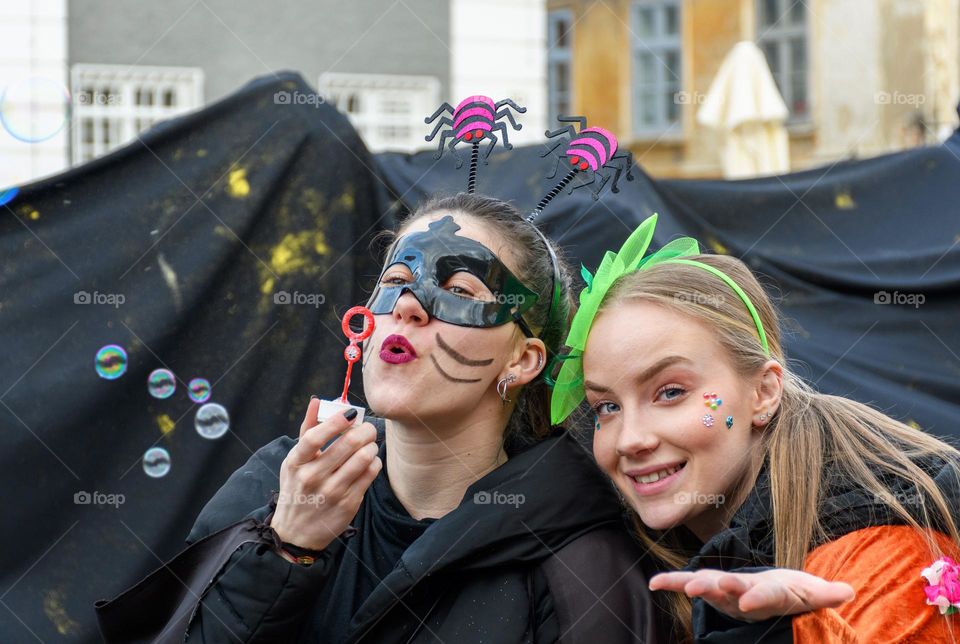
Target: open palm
(756, 596)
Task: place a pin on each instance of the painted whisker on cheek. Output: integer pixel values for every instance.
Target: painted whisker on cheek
(448, 376)
(459, 357)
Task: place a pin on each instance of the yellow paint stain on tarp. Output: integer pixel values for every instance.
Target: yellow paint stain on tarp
(34, 215)
(237, 185)
(716, 246)
(56, 613)
(844, 201)
(267, 287)
(346, 201)
(165, 423)
(296, 251)
(201, 153)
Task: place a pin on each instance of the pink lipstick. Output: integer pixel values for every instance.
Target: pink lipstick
(396, 349)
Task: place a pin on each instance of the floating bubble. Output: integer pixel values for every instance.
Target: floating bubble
(34, 109)
(111, 362)
(199, 390)
(161, 383)
(156, 462)
(6, 196)
(212, 421)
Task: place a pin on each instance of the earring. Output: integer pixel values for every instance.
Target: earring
(502, 387)
(539, 360)
(764, 416)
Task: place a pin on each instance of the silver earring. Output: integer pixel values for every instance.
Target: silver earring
(502, 387)
(539, 360)
(763, 417)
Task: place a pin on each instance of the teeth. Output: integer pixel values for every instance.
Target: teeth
(653, 477)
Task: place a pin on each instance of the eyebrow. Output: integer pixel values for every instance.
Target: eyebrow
(645, 375)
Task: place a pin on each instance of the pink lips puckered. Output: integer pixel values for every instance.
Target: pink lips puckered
(396, 349)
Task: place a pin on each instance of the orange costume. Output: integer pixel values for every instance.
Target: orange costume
(883, 565)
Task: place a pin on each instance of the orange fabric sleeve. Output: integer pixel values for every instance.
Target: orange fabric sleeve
(883, 565)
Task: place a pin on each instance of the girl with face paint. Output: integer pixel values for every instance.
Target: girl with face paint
(458, 513)
(775, 500)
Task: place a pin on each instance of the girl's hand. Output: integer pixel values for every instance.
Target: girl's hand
(321, 489)
(756, 596)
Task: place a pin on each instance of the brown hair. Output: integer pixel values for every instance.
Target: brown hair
(530, 421)
(811, 437)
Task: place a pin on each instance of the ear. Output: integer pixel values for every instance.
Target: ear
(769, 389)
(528, 361)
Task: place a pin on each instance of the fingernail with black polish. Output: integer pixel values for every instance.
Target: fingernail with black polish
(313, 397)
(350, 414)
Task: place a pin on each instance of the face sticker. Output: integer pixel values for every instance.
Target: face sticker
(432, 257)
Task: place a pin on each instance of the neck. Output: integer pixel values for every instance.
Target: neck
(430, 471)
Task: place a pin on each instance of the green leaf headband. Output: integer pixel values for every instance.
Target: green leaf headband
(568, 386)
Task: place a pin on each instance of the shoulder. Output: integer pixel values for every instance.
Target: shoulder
(883, 564)
(248, 490)
(597, 584)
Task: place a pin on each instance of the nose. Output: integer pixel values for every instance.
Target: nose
(409, 310)
(635, 437)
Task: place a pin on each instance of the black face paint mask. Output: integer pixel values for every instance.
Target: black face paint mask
(436, 254)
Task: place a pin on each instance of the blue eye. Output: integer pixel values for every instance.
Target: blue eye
(671, 392)
(602, 408)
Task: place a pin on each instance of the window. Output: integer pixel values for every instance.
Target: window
(387, 110)
(655, 45)
(782, 35)
(115, 103)
(559, 73)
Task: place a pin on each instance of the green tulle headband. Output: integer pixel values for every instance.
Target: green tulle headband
(568, 385)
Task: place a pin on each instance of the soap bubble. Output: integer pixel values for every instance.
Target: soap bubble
(111, 362)
(6, 196)
(212, 421)
(34, 109)
(156, 462)
(199, 390)
(161, 383)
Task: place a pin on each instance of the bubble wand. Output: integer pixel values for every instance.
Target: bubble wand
(351, 354)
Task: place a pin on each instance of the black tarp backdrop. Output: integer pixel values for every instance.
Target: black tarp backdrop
(197, 227)
(289, 201)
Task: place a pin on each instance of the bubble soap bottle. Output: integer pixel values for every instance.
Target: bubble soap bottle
(351, 354)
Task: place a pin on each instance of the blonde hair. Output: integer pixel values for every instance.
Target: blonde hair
(811, 436)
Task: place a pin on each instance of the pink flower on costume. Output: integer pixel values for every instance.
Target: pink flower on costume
(943, 589)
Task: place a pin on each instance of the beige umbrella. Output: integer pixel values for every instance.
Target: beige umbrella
(746, 108)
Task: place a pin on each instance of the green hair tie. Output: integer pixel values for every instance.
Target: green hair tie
(568, 386)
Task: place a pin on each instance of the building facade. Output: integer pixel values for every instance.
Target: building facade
(860, 77)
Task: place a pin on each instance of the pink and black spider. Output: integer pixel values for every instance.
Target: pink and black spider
(589, 151)
(474, 119)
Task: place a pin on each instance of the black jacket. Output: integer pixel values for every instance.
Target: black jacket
(559, 566)
(747, 545)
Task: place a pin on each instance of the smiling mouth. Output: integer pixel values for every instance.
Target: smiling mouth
(653, 477)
